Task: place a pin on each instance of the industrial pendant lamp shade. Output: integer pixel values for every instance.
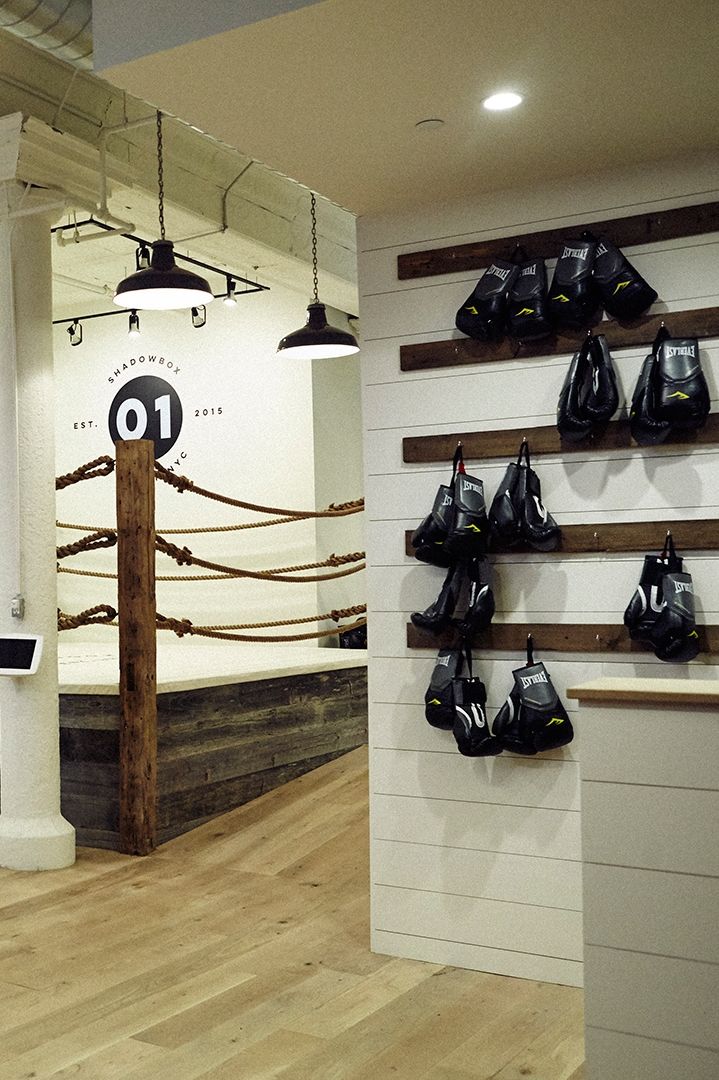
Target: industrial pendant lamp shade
(317, 339)
(163, 285)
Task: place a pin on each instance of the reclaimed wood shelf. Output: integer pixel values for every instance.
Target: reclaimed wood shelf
(453, 352)
(551, 637)
(425, 449)
(701, 534)
(546, 243)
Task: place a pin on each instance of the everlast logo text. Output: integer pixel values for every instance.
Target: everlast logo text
(531, 680)
(602, 249)
(503, 274)
(528, 270)
(469, 486)
(680, 350)
(683, 586)
(443, 661)
(574, 253)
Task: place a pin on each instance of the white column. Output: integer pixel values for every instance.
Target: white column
(33, 833)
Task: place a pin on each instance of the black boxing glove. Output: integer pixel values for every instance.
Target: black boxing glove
(537, 526)
(527, 307)
(624, 292)
(483, 314)
(429, 537)
(532, 718)
(674, 634)
(480, 603)
(573, 294)
(439, 696)
(681, 395)
(439, 613)
(572, 422)
(468, 530)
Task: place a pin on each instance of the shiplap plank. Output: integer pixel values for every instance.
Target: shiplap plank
(622, 752)
(519, 879)
(658, 997)
(479, 922)
(635, 481)
(652, 912)
(621, 1056)
(516, 964)
(553, 834)
(655, 828)
(505, 780)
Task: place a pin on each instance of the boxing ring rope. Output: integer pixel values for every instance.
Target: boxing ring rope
(138, 619)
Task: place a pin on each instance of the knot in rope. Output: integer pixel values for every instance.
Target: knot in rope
(345, 613)
(101, 466)
(176, 480)
(341, 560)
(101, 613)
(182, 556)
(178, 626)
(103, 538)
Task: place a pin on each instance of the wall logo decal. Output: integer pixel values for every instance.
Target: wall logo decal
(147, 407)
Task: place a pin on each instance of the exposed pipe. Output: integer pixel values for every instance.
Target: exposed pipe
(61, 27)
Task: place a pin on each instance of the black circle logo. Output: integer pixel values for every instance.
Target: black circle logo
(147, 408)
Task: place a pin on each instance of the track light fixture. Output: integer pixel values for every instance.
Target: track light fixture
(133, 329)
(317, 338)
(142, 258)
(199, 316)
(229, 299)
(75, 332)
(163, 285)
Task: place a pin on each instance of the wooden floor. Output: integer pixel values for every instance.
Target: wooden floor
(239, 952)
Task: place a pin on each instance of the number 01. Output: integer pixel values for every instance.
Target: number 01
(134, 407)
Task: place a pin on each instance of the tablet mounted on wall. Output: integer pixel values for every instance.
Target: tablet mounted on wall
(20, 653)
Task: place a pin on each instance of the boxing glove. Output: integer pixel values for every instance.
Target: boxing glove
(623, 291)
(646, 428)
(439, 697)
(681, 395)
(645, 606)
(468, 528)
(532, 718)
(504, 513)
(429, 537)
(480, 603)
(527, 308)
(471, 728)
(439, 613)
(537, 526)
(483, 314)
(674, 634)
(601, 399)
(572, 422)
(573, 294)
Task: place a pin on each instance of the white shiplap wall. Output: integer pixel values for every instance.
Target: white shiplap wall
(477, 862)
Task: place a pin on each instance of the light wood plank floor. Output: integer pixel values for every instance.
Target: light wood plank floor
(239, 952)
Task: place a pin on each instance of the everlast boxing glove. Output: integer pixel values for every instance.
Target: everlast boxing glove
(681, 396)
(572, 422)
(468, 530)
(505, 512)
(624, 292)
(573, 295)
(439, 614)
(439, 698)
(589, 396)
(527, 307)
(429, 537)
(480, 604)
(483, 315)
(645, 606)
(471, 728)
(532, 718)
(536, 526)
(645, 425)
(674, 634)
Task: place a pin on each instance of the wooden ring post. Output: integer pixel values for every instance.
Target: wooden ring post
(138, 676)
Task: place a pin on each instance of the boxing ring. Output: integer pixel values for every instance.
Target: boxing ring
(165, 733)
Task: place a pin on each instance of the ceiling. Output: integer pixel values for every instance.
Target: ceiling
(330, 94)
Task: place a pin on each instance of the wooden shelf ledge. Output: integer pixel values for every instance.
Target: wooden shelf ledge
(427, 355)
(671, 692)
(551, 637)
(546, 243)
(700, 534)
(426, 449)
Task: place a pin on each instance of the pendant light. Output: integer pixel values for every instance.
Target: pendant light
(163, 285)
(317, 339)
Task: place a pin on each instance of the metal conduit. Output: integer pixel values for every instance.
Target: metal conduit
(61, 27)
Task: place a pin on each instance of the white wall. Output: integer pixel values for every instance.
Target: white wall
(260, 449)
(477, 863)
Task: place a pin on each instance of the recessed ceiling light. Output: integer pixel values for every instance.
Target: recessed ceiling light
(505, 100)
(429, 124)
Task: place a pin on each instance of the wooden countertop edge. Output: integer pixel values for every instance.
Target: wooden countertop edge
(648, 691)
